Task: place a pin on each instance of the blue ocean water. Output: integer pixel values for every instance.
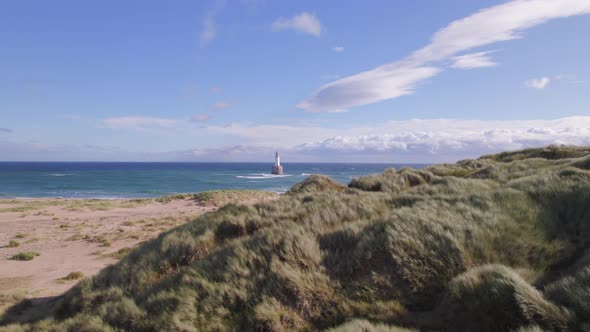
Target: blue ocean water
(153, 179)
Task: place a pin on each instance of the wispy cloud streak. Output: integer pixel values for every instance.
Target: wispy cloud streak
(538, 83)
(487, 26)
(407, 140)
(208, 25)
(306, 23)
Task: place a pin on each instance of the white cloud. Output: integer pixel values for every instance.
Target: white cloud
(5, 130)
(443, 139)
(538, 83)
(208, 31)
(208, 24)
(338, 49)
(491, 25)
(305, 22)
(138, 122)
(385, 82)
(417, 140)
(424, 140)
(221, 105)
(283, 135)
(473, 60)
(410, 140)
(201, 118)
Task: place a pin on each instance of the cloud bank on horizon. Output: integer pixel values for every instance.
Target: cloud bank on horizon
(488, 26)
(417, 140)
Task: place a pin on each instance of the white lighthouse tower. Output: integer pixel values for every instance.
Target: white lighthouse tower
(277, 169)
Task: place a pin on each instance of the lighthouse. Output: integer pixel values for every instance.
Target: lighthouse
(277, 169)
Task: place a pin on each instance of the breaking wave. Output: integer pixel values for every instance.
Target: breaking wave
(262, 176)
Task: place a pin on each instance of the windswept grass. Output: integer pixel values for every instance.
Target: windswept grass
(74, 276)
(495, 244)
(103, 204)
(219, 197)
(551, 152)
(120, 253)
(366, 326)
(11, 297)
(28, 205)
(495, 298)
(573, 292)
(25, 256)
(216, 198)
(316, 183)
(13, 244)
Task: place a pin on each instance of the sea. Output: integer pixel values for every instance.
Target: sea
(155, 179)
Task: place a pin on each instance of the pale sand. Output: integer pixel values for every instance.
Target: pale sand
(80, 235)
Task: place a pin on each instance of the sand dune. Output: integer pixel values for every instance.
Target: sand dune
(74, 235)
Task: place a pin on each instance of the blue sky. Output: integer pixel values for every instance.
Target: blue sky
(375, 81)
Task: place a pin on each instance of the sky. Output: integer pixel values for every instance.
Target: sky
(328, 81)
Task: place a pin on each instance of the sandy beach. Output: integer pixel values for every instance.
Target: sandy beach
(70, 238)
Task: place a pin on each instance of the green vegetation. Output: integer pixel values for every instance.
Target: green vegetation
(24, 208)
(219, 197)
(315, 183)
(25, 256)
(103, 204)
(75, 237)
(216, 197)
(501, 243)
(21, 235)
(13, 244)
(74, 276)
(365, 326)
(104, 242)
(552, 152)
(29, 205)
(11, 297)
(121, 253)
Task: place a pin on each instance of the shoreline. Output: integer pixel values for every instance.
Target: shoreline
(7, 198)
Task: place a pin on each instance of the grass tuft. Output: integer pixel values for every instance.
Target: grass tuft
(13, 244)
(25, 256)
(74, 276)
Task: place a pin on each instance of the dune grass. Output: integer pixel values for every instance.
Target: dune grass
(13, 244)
(25, 256)
(74, 276)
(500, 243)
(120, 253)
(11, 297)
(218, 197)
